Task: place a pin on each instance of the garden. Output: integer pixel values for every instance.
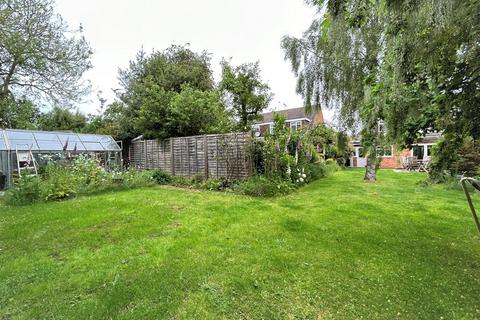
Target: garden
(291, 232)
(337, 248)
(281, 162)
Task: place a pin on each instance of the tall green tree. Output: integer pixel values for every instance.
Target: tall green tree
(62, 119)
(170, 93)
(40, 57)
(244, 92)
(412, 64)
(336, 62)
(431, 78)
(18, 114)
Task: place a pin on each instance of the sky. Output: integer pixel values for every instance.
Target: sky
(243, 30)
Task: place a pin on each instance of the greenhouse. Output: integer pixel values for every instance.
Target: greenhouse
(24, 151)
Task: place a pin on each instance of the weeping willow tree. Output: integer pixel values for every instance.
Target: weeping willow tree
(337, 61)
(431, 75)
(413, 64)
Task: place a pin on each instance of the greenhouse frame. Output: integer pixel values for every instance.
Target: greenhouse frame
(52, 143)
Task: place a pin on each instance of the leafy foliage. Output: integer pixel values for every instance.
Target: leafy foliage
(261, 186)
(40, 57)
(18, 114)
(244, 92)
(27, 190)
(62, 179)
(413, 64)
(170, 93)
(336, 61)
(161, 177)
(62, 119)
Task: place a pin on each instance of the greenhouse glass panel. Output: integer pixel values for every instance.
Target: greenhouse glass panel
(48, 141)
(50, 145)
(93, 146)
(111, 146)
(3, 145)
(70, 141)
(21, 140)
(108, 143)
(89, 138)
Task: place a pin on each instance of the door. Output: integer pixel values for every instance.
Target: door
(361, 161)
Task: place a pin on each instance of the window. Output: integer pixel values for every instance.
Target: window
(417, 151)
(270, 127)
(296, 125)
(256, 129)
(385, 151)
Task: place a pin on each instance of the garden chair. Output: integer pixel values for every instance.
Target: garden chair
(404, 163)
(476, 185)
(413, 163)
(423, 165)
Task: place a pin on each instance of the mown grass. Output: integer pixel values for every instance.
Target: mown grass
(336, 249)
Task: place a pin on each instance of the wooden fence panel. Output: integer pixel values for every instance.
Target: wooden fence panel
(215, 156)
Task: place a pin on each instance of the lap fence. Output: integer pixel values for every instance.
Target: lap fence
(212, 156)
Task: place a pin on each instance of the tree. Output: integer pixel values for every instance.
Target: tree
(198, 112)
(170, 93)
(244, 92)
(62, 119)
(337, 61)
(110, 120)
(40, 57)
(18, 114)
(431, 78)
(417, 68)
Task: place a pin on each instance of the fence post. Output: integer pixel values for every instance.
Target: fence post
(145, 166)
(187, 142)
(205, 155)
(172, 156)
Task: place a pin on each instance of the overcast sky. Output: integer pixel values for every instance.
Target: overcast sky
(245, 30)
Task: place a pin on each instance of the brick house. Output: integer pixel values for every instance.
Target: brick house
(391, 158)
(296, 118)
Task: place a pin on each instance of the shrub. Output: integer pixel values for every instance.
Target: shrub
(161, 177)
(215, 184)
(260, 186)
(27, 190)
(315, 171)
(331, 166)
(137, 179)
(179, 181)
(87, 171)
(59, 182)
(62, 180)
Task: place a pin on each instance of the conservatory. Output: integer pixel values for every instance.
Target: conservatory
(21, 148)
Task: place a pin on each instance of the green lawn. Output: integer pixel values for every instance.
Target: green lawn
(337, 249)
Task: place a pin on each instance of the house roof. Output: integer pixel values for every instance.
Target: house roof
(295, 113)
(430, 138)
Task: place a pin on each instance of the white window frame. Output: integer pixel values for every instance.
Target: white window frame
(425, 149)
(386, 156)
(296, 125)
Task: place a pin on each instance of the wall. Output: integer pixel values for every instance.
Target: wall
(212, 156)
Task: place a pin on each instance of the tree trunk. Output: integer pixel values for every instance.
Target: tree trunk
(371, 169)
